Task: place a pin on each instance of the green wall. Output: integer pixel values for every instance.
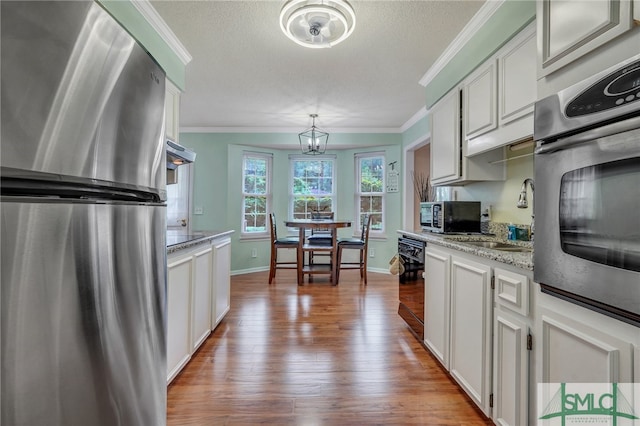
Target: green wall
(419, 130)
(129, 17)
(506, 22)
(218, 187)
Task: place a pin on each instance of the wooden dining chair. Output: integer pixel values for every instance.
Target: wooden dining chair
(320, 236)
(360, 244)
(280, 243)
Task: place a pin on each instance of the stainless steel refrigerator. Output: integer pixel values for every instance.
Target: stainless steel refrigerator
(82, 220)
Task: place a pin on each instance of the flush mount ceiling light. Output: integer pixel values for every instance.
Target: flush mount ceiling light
(313, 141)
(317, 23)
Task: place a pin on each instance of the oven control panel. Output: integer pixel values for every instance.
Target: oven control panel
(411, 249)
(618, 88)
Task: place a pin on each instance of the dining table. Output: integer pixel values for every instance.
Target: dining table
(332, 225)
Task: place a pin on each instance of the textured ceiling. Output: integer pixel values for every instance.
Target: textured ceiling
(247, 75)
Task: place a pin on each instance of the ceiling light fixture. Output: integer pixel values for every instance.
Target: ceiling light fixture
(313, 141)
(317, 23)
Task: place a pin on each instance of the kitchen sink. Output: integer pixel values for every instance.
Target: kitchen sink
(498, 246)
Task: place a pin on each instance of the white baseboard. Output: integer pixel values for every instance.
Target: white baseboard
(249, 270)
(266, 268)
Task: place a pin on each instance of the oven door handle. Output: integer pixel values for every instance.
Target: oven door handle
(589, 135)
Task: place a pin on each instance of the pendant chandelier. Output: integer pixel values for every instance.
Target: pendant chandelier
(317, 23)
(313, 141)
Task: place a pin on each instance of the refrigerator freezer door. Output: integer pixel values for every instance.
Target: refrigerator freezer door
(82, 314)
(80, 97)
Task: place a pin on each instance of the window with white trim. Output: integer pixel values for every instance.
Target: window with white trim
(370, 193)
(312, 185)
(256, 192)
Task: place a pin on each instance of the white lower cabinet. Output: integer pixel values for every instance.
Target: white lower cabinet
(512, 343)
(477, 324)
(198, 297)
(201, 312)
(179, 277)
(510, 370)
(577, 346)
(502, 340)
(574, 351)
(458, 320)
(470, 334)
(221, 280)
(437, 267)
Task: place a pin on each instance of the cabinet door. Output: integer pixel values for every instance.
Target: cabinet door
(445, 139)
(172, 111)
(480, 95)
(517, 78)
(201, 300)
(471, 325)
(512, 291)
(436, 304)
(510, 370)
(568, 30)
(179, 275)
(572, 352)
(221, 279)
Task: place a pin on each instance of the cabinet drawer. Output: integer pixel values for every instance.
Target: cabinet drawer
(512, 291)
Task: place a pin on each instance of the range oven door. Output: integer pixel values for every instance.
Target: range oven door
(411, 284)
(587, 247)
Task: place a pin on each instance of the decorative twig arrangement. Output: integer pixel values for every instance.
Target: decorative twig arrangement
(422, 186)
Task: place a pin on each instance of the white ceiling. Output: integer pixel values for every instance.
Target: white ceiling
(246, 75)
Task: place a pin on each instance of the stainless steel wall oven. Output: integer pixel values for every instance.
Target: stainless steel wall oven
(411, 286)
(587, 173)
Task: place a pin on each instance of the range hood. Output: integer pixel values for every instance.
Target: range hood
(178, 155)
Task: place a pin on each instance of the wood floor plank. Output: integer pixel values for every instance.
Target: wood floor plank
(315, 354)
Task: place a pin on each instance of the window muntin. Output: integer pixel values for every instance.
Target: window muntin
(256, 193)
(370, 172)
(312, 186)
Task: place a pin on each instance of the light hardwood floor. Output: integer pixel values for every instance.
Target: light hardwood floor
(315, 355)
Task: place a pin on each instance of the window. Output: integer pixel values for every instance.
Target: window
(312, 186)
(256, 192)
(370, 189)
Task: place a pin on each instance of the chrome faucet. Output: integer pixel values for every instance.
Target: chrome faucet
(523, 203)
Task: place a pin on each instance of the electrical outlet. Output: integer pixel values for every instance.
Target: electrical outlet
(254, 252)
(198, 210)
(372, 252)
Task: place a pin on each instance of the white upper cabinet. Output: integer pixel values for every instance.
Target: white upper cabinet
(517, 77)
(449, 163)
(567, 30)
(480, 100)
(500, 95)
(445, 138)
(171, 111)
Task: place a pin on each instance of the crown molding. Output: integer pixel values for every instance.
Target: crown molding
(467, 33)
(422, 112)
(296, 130)
(160, 26)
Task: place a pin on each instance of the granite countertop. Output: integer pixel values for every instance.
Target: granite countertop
(179, 239)
(522, 260)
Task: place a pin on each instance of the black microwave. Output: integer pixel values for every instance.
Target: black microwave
(450, 217)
